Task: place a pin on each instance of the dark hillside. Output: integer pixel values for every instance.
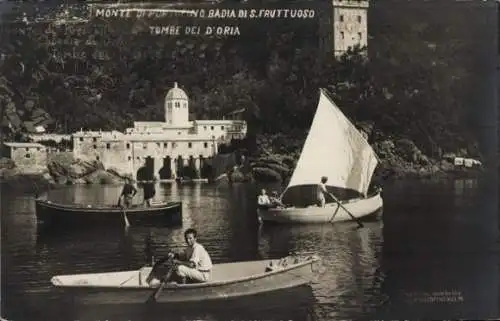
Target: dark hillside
(427, 79)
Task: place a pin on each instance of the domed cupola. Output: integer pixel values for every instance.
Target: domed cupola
(176, 106)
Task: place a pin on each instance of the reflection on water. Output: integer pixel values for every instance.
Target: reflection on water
(440, 253)
(462, 187)
(348, 277)
(426, 246)
(293, 304)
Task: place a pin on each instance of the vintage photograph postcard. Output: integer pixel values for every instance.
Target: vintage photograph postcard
(249, 160)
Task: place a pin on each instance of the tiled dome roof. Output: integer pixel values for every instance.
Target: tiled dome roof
(176, 93)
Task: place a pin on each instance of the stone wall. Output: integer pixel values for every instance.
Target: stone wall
(55, 137)
(63, 158)
(32, 159)
(127, 157)
(158, 152)
(118, 155)
(87, 148)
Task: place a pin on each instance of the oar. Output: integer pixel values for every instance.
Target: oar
(127, 223)
(335, 213)
(345, 209)
(163, 283)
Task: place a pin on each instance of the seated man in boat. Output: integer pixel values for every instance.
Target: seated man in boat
(263, 200)
(275, 200)
(127, 194)
(194, 265)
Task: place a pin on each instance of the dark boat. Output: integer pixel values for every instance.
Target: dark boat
(51, 214)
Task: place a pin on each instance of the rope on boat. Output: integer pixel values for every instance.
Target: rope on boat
(284, 262)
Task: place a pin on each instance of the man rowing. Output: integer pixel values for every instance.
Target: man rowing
(194, 264)
(321, 192)
(127, 194)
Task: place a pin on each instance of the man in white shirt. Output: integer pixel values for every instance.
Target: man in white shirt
(263, 200)
(195, 263)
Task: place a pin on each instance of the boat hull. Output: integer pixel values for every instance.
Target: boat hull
(292, 277)
(359, 208)
(57, 215)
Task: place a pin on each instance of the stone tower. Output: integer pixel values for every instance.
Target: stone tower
(344, 25)
(176, 107)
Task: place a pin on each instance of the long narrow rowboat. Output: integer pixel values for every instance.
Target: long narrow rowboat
(53, 214)
(228, 280)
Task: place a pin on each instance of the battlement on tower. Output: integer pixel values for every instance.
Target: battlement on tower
(351, 3)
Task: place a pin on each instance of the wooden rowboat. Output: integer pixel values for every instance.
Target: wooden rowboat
(331, 212)
(228, 280)
(53, 214)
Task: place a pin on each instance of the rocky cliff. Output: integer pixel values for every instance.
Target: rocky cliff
(398, 158)
(59, 171)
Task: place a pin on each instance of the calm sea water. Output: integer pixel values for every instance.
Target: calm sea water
(431, 254)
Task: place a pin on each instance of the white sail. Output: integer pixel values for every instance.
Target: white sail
(336, 149)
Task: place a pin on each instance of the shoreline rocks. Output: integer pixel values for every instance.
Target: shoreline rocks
(57, 173)
(398, 159)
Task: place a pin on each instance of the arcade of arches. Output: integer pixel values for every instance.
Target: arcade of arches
(191, 168)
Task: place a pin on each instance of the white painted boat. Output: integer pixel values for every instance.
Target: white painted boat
(332, 212)
(334, 148)
(228, 280)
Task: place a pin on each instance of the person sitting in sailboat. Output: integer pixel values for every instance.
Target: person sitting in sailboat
(275, 200)
(263, 200)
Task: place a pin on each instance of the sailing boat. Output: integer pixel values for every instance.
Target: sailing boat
(336, 149)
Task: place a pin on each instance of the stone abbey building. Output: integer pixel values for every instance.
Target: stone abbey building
(164, 150)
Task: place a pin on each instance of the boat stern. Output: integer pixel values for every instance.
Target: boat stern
(306, 265)
(55, 281)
